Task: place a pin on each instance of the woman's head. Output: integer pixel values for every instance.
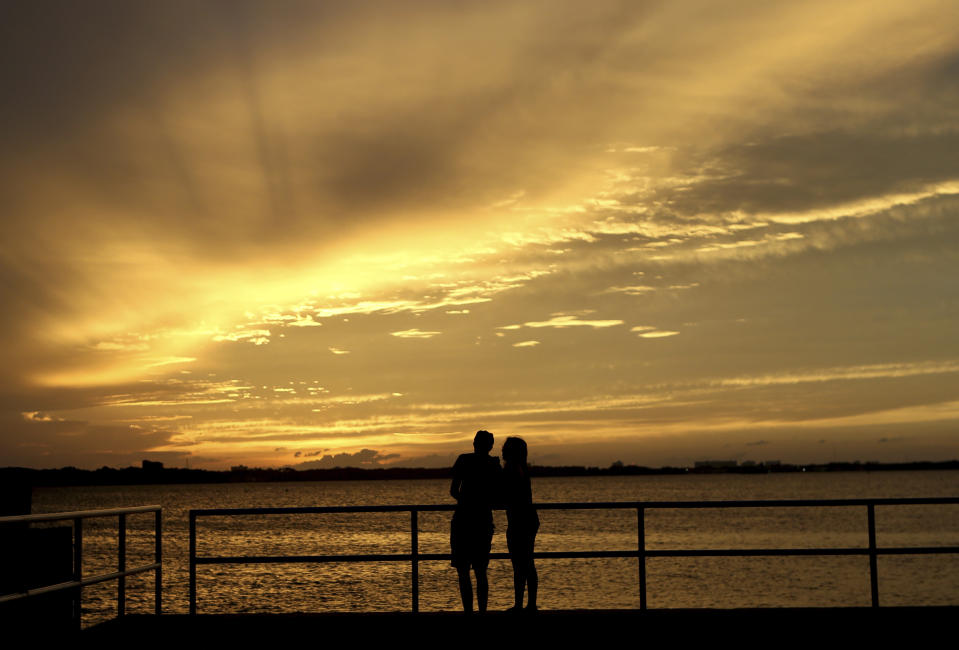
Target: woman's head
(514, 451)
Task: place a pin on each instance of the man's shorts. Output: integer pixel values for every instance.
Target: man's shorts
(471, 535)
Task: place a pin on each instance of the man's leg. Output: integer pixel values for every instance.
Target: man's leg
(482, 587)
(466, 589)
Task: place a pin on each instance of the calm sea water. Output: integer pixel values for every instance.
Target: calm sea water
(564, 583)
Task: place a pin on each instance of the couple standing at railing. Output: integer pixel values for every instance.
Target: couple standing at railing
(478, 485)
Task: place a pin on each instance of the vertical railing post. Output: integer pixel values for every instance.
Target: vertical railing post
(414, 555)
(78, 568)
(873, 569)
(158, 559)
(192, 562)
(641, 542)
(122, 564)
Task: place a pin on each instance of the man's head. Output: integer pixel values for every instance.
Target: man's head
(483, 442)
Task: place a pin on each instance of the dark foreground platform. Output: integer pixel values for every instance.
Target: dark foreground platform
(744, 627)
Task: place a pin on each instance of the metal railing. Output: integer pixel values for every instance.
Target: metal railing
(414, 557)
(79, 581)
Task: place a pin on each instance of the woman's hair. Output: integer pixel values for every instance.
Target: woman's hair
(515, 452)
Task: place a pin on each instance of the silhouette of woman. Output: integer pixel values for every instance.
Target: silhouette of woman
(522, 520)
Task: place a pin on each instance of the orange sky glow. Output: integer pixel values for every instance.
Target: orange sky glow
(312, 234)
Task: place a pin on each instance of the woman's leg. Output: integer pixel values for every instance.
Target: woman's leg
(517, 557)
(532, 578)
(466, 587)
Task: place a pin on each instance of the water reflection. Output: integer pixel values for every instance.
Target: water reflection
(564, 583)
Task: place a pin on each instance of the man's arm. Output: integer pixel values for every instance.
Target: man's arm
(456, 486)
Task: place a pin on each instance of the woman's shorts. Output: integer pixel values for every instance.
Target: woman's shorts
(520, 541)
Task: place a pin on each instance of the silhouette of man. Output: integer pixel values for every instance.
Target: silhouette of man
(475, 484)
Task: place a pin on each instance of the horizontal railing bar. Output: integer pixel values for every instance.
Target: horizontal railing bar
(721, 552)
(79, 514)
(301, 510)
(74, 584)
(752, 552)
(917, 550)
(103, 577)
(39, 591)
(393, 557)
(792, 503)
(299, 559)
(599, 505)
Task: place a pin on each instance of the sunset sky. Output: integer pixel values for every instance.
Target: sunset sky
(321, 233)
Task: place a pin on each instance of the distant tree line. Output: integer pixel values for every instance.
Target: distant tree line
(155, 473)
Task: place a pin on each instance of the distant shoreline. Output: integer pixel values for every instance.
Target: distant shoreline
(155, 474)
